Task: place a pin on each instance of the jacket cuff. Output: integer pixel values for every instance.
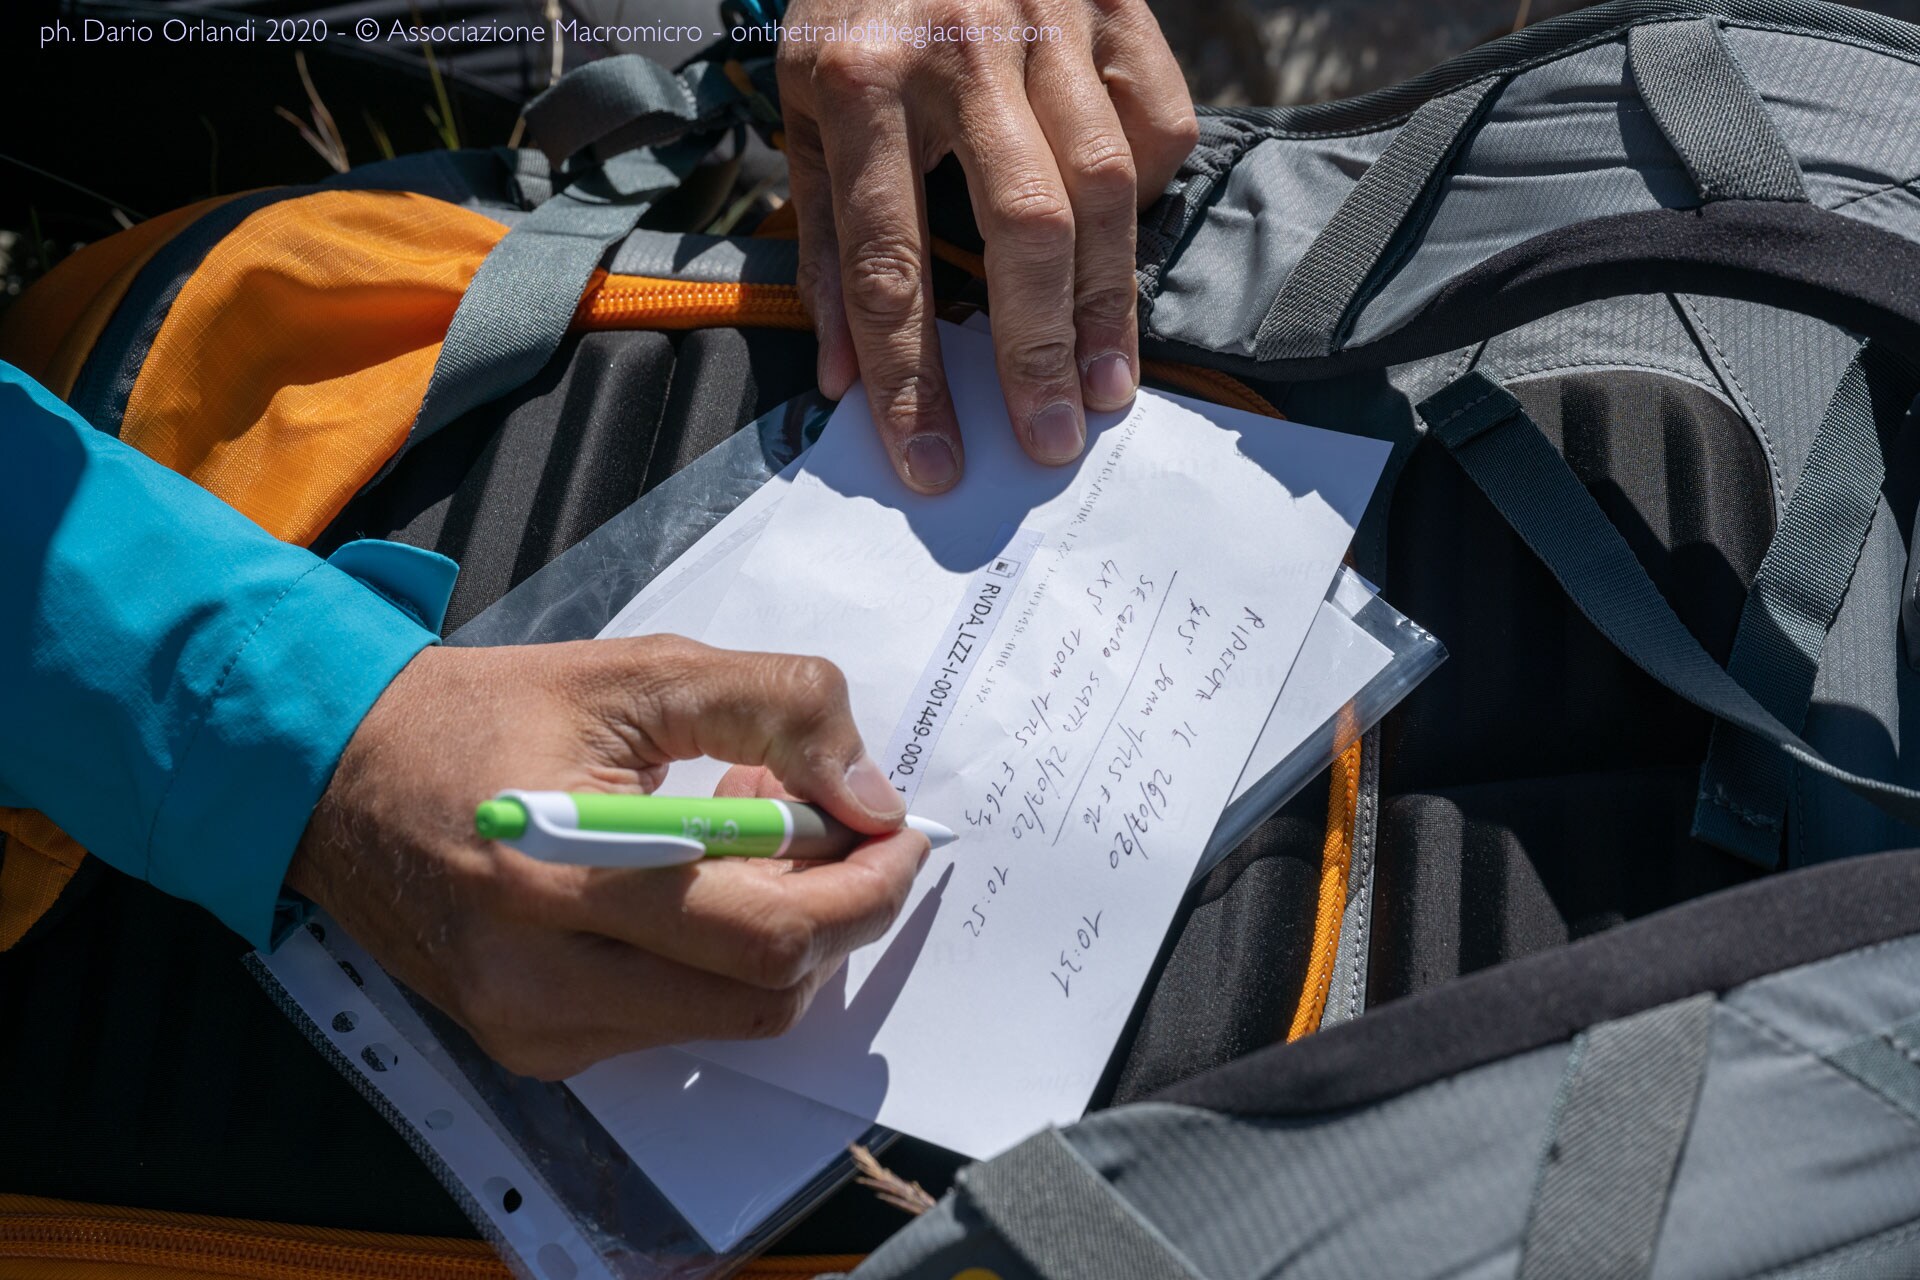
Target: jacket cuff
(291, 695)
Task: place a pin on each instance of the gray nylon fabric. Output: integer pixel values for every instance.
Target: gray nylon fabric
(1641, 331)
(1830, 1003)
(1846, 111)
(625, 102)
(1890, 1255)
(1888, 1063)
(1062, 1217)
(1789, 1165)
(1710, 113)
(1778, 367)
(1795, 596)
(1563, 143)
(1787, 1157)
(1489, 433)
(516, 310)
(1617, 1136)
(1544, 41)
(1433, 1182)
(1790, 1158)
(1217, 291)
(1308, 313)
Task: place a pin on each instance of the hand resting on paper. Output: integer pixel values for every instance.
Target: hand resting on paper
(1066, 115)
(553, 968)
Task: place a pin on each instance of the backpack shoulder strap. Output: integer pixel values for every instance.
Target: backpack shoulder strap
(1490, 435)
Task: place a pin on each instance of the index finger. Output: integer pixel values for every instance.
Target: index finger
(728, 916)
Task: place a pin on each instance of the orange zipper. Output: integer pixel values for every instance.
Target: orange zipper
(643, 302)
(130, 1241)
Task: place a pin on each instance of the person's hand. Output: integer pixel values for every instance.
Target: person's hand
(552, 968)
(1069, 119)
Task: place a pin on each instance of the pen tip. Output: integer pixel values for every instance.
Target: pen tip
(935, 833)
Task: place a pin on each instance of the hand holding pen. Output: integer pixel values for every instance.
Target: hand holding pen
(553, 965)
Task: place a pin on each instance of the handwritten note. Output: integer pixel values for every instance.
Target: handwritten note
(727, 1148)
(1087, 755)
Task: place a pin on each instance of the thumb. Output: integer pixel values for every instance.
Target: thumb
(789, 714)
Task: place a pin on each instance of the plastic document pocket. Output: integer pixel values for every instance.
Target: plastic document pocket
(664, 1163)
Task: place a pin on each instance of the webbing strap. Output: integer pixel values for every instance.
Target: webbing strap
(621, 103)
(1503, 452)
(1796, 593)
(1064, 1219)
(520, 303)
(1709, 112)
(1310, 311)
(1623, 1114)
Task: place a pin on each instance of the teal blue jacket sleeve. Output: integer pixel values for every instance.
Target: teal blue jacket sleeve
(176, 685)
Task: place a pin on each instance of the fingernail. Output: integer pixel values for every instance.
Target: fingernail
(930, 462)
(871, 788)
(1110, 380)
(1057, 433)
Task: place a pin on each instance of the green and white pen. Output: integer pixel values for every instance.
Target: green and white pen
(591, 829)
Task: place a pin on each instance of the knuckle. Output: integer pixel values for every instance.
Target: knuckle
(818, 684)
(777, 1012)
(782, 951)
(666, 658)
(852, 73)
(885, 281)
(907, 402)
(1107, 307)
(1041, 360)
(1181, 133)
(1032, 209)
(1105, 171)
(1169, 141)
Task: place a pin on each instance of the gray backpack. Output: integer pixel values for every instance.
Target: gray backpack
(1627, 982)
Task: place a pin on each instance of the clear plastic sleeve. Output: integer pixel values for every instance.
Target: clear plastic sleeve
(542, 1178)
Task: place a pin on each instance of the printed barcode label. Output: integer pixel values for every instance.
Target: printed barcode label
(962, 646)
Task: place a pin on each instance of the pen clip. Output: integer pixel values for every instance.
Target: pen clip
(550, 842)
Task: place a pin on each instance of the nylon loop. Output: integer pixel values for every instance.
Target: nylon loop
(1710, 113)
(1313, 308)
(1624, 1111)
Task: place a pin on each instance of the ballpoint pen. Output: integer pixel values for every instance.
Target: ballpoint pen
(596, 829)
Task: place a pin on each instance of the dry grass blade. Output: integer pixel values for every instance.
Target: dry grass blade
(323, 135)
(908, 1197)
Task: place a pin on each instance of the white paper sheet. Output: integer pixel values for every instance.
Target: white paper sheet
(1088, 745)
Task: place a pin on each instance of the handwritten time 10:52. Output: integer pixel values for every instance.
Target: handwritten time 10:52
(1097, 749)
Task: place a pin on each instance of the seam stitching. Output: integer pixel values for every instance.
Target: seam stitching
(206, 714)
(1698, 323)
(1797, 1049)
